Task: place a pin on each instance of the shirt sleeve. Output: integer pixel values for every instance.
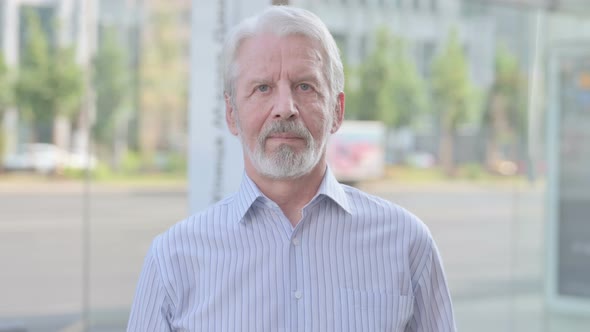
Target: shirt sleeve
(150, 310)
(433, 310)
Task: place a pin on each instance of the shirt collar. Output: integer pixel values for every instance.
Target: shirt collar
(246, 196)
(249, 193)
(332, 189)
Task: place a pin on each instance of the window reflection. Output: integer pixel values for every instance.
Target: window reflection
(93, 133)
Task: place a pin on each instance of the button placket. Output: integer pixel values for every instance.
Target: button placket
(297, 277)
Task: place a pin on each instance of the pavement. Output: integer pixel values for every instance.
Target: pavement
(491, 238)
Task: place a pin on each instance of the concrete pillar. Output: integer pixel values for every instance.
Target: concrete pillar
(215, 156)
(9, 30)
(10, 47)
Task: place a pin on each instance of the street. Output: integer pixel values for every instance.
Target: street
(491, 238)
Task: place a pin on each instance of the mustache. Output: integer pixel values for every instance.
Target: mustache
(284, 126)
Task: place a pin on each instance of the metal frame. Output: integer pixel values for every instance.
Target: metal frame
(557, 302)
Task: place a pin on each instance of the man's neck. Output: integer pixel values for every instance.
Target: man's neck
(291, 194)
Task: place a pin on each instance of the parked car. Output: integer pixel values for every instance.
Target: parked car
(356, 152)
(46, 159)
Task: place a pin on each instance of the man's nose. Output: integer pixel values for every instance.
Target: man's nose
(284, 107)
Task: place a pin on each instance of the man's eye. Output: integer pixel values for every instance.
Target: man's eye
(304, 86)
(263, 88)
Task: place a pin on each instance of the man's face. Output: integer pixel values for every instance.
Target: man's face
(283, 113)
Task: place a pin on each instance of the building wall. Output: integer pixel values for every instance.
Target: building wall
(75, 18)
(425, 24)
(66, 23)
(164, 69)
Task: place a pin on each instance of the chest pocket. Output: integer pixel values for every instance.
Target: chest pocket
(376, 311)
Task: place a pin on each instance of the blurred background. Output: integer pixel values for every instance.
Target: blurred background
(474, 114)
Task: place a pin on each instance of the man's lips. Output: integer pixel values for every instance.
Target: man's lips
(284, 136)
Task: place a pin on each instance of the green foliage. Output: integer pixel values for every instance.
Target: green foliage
(6, 100)
(112, 86)
(374, 75)
(66, 83)
(175, 163)
(102, 172)
(6, 87)
(163, 77)
(50, 83)
(510, 85)
(351, 92)
(73, 173)
(452, 90)
(472, 171)
(454, 97)
(391, 89)
(407, 96)
(32, 90)
(132, 163)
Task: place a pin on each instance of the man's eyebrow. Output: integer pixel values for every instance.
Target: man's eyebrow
(257, 81)
(307, 77)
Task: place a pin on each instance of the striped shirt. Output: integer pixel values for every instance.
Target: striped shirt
(354, 262)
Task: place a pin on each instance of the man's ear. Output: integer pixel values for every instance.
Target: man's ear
(230, 116)
(338, 113)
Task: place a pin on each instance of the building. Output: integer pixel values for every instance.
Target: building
(164, 67)
(76, 20)
(156, 35)
(66, 23)
(424, 24)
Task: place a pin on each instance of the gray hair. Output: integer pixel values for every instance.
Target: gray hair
(284, 21)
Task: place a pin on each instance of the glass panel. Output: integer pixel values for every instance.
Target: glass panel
(142, 94)
(41, 206)
(93, 145)
(487, 144)
(487, 200)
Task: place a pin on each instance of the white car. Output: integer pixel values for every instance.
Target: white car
(46, 158)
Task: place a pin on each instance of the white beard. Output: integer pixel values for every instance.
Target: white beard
(285, 162)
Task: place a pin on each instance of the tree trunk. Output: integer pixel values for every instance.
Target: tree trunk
(61, 132)
(120, 144)
(446, 151)
(499, 128)
(150, 134)
(2, 145)
(61, 139)
(492, 149)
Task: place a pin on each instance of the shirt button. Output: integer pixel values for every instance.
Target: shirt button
(298, 294)
(296, 241)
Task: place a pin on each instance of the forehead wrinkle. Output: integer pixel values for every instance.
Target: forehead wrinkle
(304, 61)
(309, 66)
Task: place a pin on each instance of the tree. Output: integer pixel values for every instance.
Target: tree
(32, 89)
(407, 96)
(6, 100)
(375, 76)
(66, 90)
(391, 90)
(163, 80)
(453, 94)
(505, 111)
(351, 91)
(49, 87)
(113, 88)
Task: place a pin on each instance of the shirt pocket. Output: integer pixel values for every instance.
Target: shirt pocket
(376, 310)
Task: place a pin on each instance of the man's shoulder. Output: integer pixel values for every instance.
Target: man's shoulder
(369, 207)
(407, 231)
(218, 213)
(358, 195)
(364, 201)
